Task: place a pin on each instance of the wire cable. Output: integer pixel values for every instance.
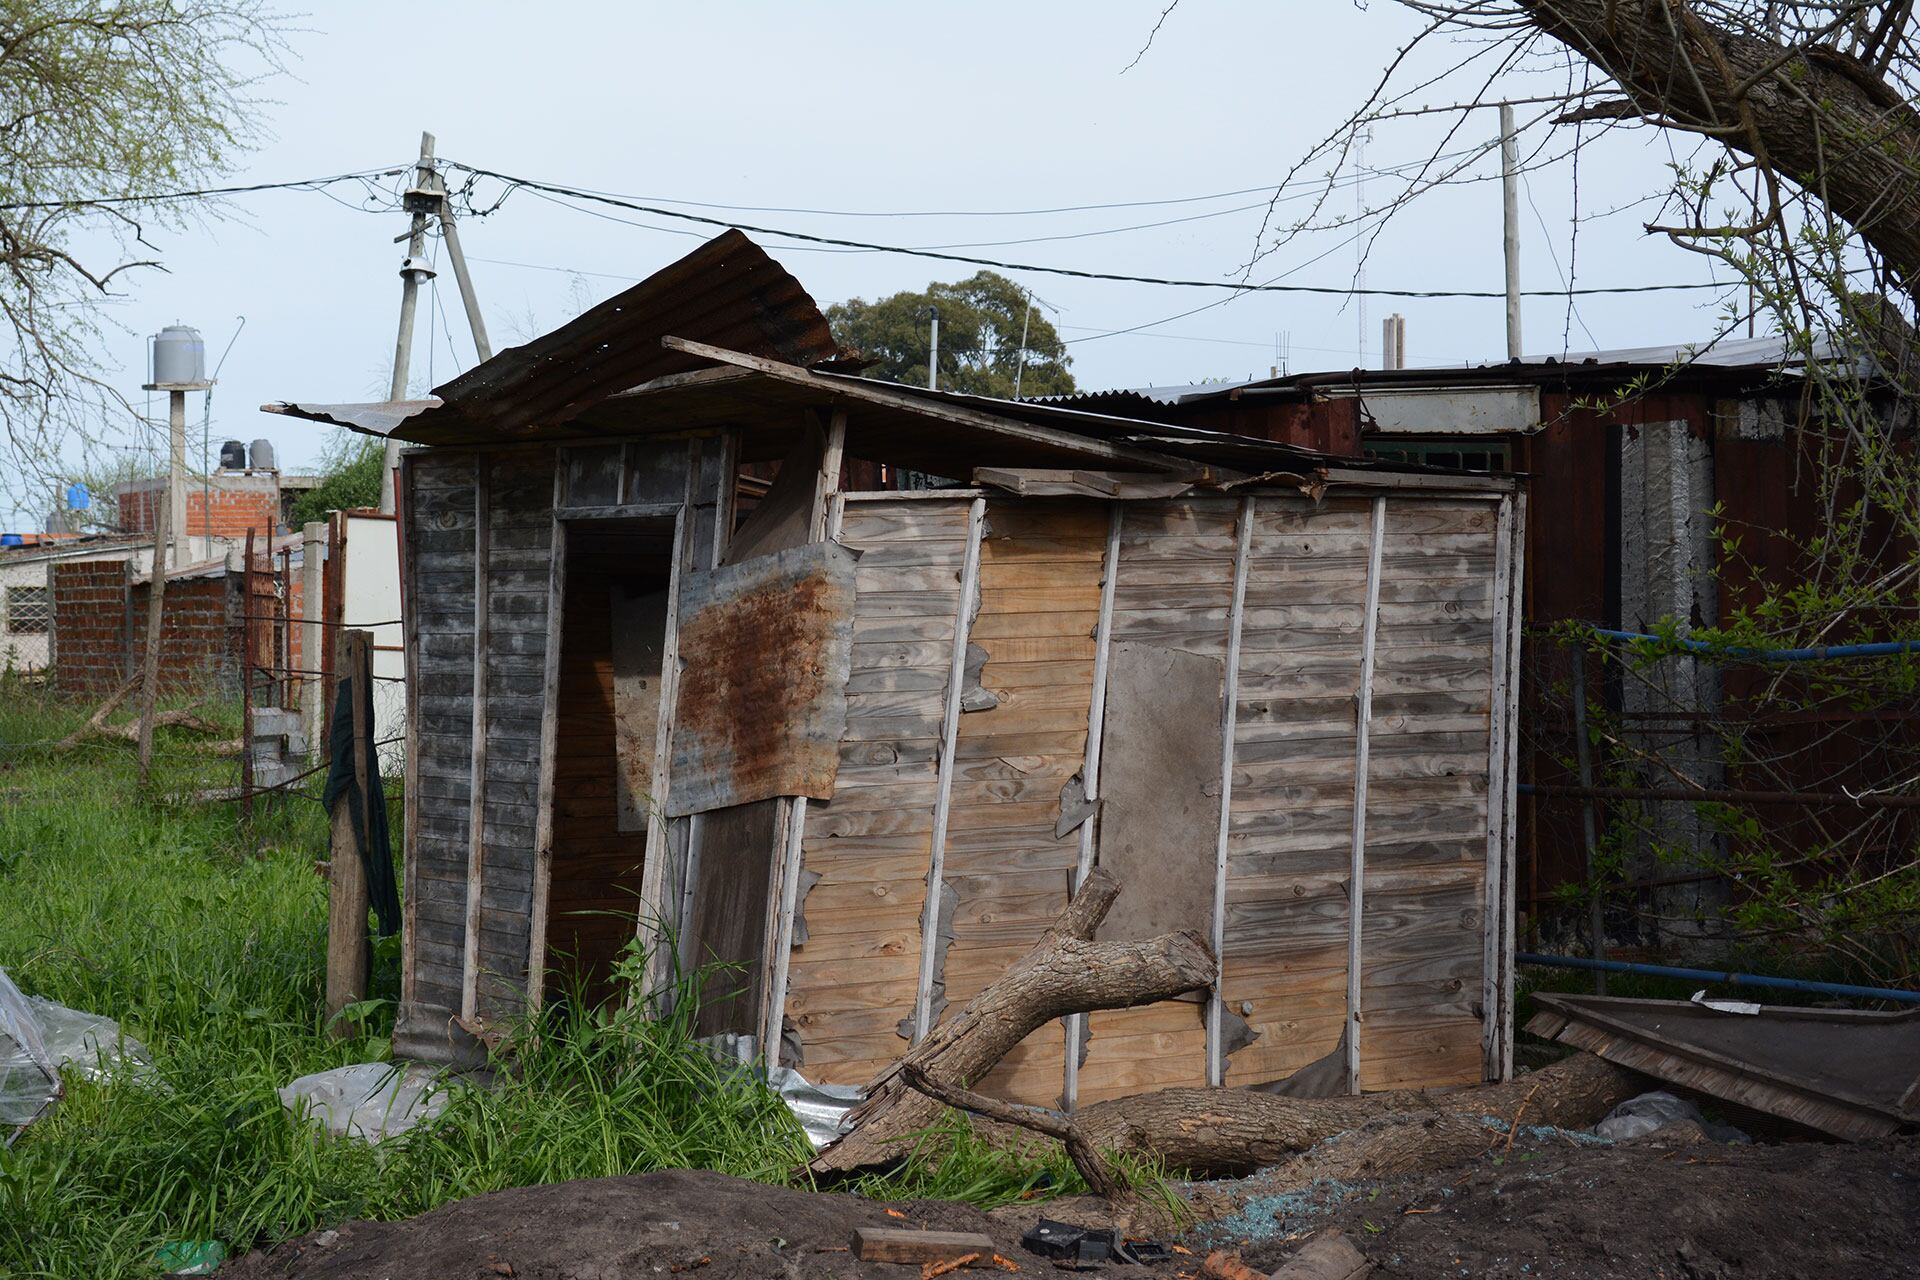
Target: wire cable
(555, 189)
(161, 197)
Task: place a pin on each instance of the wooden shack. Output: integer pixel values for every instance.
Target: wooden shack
(857, 743)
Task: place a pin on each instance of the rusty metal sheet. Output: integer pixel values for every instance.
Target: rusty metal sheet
(728, 292)
(766, 647)
(1851, 1073)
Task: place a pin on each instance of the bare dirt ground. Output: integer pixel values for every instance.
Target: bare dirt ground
(1663, 1206)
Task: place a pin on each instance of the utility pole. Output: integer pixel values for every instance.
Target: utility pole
(1020, 359)
(413, 270)
(426, 198)
(933, 351)
(1510, 223)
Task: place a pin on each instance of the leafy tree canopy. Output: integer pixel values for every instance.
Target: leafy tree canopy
(980, 349)
(350, 479)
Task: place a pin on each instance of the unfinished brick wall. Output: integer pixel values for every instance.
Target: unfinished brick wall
(100, 627)
(89, 625)
(235, 508)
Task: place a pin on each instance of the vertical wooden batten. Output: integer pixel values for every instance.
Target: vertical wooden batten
(1514, 509)
(1090, 772)
(650, 926)
(786, 899)
(823, 524)
(1357, 865)
(1229, 724)
(477, 785)
(549, 738)
(949, 732)
(1497, 728)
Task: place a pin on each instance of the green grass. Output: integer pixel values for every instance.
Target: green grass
(208, 944)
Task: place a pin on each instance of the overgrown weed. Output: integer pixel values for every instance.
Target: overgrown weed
(208, 944)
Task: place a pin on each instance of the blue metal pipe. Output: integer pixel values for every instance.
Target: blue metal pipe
(1819, 653)
(1712, 975)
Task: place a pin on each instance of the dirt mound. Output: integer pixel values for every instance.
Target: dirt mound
(1693, 1210)
(1675, 1205)
(706, 1226)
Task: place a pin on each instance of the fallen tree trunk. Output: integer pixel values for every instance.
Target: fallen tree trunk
(1226, 1131)
(1065, 972)
(1229, 1132)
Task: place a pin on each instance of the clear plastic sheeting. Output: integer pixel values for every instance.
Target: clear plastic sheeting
(29, 1078)
(39, 1038)
(821, 1109)
(89, 1045)
(368, 1100)
(1638, 1117)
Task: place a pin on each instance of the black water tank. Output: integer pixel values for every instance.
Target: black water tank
(233, 455)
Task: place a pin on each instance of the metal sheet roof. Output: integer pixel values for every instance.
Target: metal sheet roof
(727, 292)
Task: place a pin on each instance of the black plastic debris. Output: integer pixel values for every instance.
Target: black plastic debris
(1075, 1247)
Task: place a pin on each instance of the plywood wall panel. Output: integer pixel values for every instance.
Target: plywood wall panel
(853, 980)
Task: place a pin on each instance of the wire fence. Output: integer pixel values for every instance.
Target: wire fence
(1682, 794)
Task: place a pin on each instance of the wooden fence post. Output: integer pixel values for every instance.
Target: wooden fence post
(156, 619)
(349, 953)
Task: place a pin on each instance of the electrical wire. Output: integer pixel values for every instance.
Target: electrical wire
(299, 184)
(1236, 288)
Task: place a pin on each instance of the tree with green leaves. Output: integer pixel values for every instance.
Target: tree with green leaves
(102, 105)
(349, 469)
(982, 320)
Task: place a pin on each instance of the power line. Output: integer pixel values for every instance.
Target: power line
(163, 197)
(968, 259)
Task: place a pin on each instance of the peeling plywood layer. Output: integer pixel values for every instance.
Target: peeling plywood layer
(762, 700)
(853, 979)
(1173, 590)
(1160, 783)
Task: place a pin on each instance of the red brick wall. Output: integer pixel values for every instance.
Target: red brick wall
(234, 511)
(89, 625)
(196, 633)
(100, 627)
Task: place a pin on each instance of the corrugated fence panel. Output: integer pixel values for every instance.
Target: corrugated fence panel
(1290, 828)
(1421, 939)
(1040, 571)
(1174, 589)
(853, 980)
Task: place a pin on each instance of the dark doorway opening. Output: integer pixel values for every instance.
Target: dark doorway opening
(613, 628)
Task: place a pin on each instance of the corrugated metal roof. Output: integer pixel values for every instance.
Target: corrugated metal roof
(727, 292)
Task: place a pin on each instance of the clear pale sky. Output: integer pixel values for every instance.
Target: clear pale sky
(875, 107)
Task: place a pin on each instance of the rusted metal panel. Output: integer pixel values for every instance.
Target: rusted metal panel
(1851, 1073)
(762, 704)
(727, 292)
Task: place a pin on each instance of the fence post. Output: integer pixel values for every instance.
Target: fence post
(156, 621)
(1583, 754)
(312, 597)
(349, 955)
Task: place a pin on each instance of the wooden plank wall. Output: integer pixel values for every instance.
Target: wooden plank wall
(1040, 572)
(853, 981)
(1174, 588)
(440, 586)
(1426, 857)
(520, 536)
(1290, 829)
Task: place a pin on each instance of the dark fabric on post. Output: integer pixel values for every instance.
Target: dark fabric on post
(371, 839)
